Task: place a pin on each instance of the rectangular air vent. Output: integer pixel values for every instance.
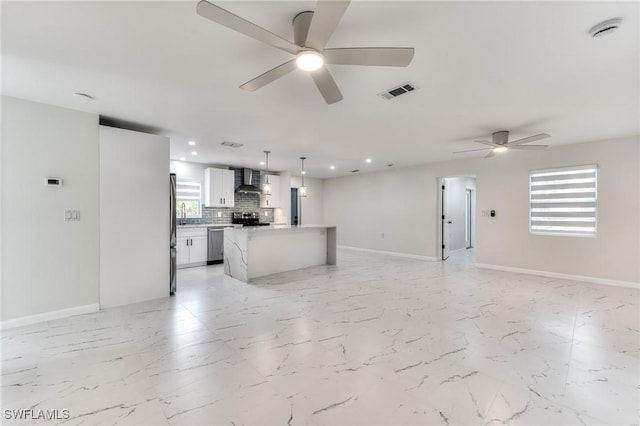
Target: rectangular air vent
(397, 91)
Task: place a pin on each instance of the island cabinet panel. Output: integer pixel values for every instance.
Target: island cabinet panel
(249, 252)
(219, 187)
(271, 201)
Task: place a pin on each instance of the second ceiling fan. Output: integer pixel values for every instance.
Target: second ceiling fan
(311, 32)
(500, 143)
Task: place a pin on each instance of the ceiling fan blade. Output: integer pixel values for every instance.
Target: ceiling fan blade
(327, 85)
(373, 56)
(529, 139)
(491, 154)
(270, 76)
(241, 25)
(472, 150)
(326, 18)
(486, 143)
(529, 147)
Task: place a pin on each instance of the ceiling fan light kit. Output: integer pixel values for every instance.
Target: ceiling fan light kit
(311, 32)
(309, 60)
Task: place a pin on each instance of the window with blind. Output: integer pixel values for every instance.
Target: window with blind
(189, 198)
(564, 201)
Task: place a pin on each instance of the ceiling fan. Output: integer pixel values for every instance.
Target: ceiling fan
(311, 32)
(500, 143)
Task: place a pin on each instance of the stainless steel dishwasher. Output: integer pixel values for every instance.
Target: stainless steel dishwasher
(215, 245)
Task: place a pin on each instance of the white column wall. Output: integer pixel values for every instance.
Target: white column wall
(134, 217)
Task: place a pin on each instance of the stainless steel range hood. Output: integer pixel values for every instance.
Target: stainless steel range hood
(246, 187)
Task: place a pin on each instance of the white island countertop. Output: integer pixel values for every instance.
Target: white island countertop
(256, 251)
(280, 227)
(204, 225)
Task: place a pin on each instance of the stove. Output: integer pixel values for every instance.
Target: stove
(247, 219)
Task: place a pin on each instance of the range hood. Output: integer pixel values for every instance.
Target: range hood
(246, 187)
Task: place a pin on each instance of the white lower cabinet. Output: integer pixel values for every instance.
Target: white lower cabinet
(191, 247)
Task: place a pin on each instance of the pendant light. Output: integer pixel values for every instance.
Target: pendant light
(302, 190)
(266, 186)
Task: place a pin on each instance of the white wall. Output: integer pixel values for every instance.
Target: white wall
(48, 264)
(282, 215)
(312, 205)
(396, 210)
(134, 217)
(188, 171)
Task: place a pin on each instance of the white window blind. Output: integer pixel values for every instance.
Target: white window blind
(564, 201)
(188, 194)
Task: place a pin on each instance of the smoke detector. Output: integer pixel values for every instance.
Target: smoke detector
(605, 28)
(397, 91)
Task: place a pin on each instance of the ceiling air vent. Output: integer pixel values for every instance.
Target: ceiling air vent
(232, 144)
(397, 91)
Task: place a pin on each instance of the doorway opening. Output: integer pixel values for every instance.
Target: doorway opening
(470, 214)
(294, 206)
(456, 224)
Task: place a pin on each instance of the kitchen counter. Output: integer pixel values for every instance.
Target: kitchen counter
(252, 252)
(203, 225)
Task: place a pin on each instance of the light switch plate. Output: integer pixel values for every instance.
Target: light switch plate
(71, 215)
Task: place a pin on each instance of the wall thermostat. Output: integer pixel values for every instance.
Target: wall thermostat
(53, 181)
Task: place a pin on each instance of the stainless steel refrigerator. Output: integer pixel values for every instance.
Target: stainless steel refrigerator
(172, 236)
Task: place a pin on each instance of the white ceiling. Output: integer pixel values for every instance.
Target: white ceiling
(527, 67)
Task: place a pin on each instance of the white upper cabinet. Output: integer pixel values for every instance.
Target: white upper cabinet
(273, 200)
(219, 187)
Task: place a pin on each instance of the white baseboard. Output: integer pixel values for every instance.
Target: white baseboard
(47, 316)
(592, 280)
(390, 253)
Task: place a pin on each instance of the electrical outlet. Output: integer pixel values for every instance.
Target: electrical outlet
(219, 214)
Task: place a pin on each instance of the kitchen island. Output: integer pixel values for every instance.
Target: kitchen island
(252, 252)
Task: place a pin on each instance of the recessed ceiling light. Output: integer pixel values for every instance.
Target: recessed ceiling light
(182, 158)
(500, 149)
(262, 163)
(83, 96)
(194, 152)
(303, 172)
(332, 167)
(605, 28)
(368, 160)
(192, 143)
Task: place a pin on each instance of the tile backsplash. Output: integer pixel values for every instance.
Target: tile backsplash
(242, 203)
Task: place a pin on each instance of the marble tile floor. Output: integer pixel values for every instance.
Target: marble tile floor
(374, 340)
